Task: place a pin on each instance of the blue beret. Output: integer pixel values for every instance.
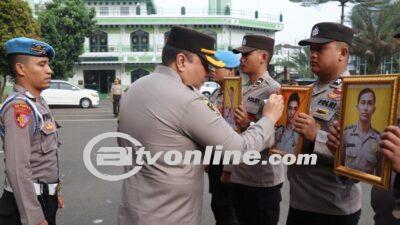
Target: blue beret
(228, 58)
(27, 46)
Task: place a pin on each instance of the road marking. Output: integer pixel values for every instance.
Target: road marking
(92, 120)
(1, 152)
(108, 114)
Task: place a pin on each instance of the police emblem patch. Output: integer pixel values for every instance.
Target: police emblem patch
(315, 31)
(38, 49)
(22, 114)
(49, 126)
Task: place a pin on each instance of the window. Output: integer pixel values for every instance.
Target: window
(65, 86)
(98, 42)
(124, 11)
(53, 85)
(103, 11)
(140, 41)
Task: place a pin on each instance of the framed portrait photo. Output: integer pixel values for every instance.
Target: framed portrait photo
(297, 100)
(369, 105)
(232, 98)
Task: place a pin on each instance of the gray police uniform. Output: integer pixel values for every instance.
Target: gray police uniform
(221, 200)
(31, 154)
(362, 152)
(383, 203)
(286, 139)
(258, 175)
(173, 116)
(316, 188)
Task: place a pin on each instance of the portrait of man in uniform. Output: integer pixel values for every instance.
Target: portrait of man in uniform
(369, 105)
(231, 100)
(297, 99)
(361, 140)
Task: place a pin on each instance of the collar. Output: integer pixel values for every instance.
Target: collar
(371, 133)
(168, 71)
(264, 78)
(336, 84)
(20, 89)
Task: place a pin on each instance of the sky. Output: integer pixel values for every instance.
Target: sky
(298, 20)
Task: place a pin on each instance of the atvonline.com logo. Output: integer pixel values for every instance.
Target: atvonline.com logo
(125, 156)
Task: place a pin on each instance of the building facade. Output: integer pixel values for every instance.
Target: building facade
(132, 34)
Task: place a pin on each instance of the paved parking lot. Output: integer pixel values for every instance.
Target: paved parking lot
(89, 200)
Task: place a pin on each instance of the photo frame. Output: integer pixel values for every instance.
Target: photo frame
(297, 99)
(232, 98)
(369, 104)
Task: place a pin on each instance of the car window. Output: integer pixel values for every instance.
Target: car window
(53, 85)
(65, 86)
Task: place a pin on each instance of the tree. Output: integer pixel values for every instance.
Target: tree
(64, 25)
(342, 3)
(16, 20)
(300, 62)
(375, 29)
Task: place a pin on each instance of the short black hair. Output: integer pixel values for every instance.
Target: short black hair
(12, 60)
(169, 54)
(365, 91)
(294, 97)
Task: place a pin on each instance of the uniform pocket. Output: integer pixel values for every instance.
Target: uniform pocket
(49, 140)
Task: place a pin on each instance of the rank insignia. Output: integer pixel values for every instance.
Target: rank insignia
(334, 96)
(49, 126)
(22, 114)
(212, 107)
(38, 49)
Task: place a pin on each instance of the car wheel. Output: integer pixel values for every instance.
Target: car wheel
(207, 94)
(86, 103)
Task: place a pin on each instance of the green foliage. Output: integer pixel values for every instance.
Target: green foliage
(375, 28)
(64, 25)
(299, 62)
(16, 20)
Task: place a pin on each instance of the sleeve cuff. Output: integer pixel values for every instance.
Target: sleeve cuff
(320, 144)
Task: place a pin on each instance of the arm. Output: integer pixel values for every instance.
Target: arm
(205, 127)
(17, 154)
(315, 138)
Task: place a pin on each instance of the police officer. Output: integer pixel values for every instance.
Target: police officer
(256, 188)
(386, 204)
(174, 115)
(361, 140)
(30, 136)
(317, 195)
(285, 136)
(221, 201)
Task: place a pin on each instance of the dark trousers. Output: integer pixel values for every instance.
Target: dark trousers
(9, 212)
(221, 198)
(256, 205)
(116, 99)
(300, 217)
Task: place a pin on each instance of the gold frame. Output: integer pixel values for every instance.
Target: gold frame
(308, 90)
(383, 180)
(238, 81)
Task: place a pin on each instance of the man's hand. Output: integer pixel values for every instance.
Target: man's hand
(60, 201)
(305, 125)
(274, 107)
(390, 144)
(333, 142)
(44, 223)
(226, 177)
(242, 118)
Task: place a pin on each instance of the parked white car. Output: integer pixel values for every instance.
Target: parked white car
(208, 88)
(63, 93)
